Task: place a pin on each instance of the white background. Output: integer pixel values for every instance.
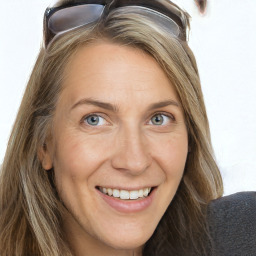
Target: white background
(224, 42)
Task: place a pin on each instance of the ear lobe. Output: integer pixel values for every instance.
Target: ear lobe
(45, 157)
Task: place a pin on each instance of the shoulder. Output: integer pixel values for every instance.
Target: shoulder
(239, 203)
(232, 224)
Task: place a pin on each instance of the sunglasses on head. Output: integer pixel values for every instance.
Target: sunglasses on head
(61, 19)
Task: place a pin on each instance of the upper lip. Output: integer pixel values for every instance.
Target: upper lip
(127, 188)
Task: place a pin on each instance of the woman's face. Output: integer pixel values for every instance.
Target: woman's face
(118, 130)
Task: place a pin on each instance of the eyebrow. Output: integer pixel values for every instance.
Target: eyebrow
(94, 102)
(114, 108)
(162, 104)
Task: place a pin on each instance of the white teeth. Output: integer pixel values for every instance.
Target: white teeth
(134, 194)
(140, 194)
(116, 193)
(125, 194)
(145, 191)
(110, 192)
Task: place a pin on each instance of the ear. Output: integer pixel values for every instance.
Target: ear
(45, 157)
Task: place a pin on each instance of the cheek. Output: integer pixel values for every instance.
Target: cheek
(77, 158)
(172, 155)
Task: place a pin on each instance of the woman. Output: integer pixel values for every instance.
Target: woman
(110, 153)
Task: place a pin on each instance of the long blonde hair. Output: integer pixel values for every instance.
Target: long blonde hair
(30, 210)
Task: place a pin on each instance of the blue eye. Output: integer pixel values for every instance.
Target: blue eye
(160, 119)
(94, 120)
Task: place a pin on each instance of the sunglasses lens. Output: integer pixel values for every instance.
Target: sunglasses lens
(74, 17)
(159, 19)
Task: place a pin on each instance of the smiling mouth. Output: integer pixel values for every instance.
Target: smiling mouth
(126, 194)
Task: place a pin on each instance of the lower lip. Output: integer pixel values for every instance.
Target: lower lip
(130, 206)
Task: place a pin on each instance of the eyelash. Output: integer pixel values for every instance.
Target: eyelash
(168, 115)
(100, 115)
(84, 119)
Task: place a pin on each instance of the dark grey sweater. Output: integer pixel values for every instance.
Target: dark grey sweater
(232, 221)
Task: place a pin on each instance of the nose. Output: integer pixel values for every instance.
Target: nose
(131, 153)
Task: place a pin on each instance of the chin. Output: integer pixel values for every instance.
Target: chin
(127, 241)
(127, 244)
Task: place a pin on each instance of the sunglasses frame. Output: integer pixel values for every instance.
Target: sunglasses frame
(162, 7)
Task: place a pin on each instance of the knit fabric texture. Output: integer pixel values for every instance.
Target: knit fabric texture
(232, 224)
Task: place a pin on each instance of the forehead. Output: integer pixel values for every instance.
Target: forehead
(105, 69)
